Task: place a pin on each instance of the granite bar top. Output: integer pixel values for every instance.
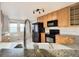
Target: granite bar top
(18, 52)
(25, 53)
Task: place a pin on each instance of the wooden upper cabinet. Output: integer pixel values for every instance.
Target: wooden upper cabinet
(40, 19)
(49, 17)
(63, 17)
(74, 15)
(43, 19)
(52, 16)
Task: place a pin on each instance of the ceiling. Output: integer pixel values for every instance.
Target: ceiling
(23, 10)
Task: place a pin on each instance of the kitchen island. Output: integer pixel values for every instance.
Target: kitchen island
(18, 52)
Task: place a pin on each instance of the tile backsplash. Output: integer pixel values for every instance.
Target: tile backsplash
(65, 30)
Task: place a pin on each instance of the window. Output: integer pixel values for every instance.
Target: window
(13, 27)
(21, 27)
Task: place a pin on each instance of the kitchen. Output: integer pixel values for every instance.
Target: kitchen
(64, 22)
(54, 30)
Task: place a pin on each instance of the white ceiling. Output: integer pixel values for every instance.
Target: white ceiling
(23, 10)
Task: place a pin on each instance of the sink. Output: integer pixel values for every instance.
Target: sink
(18, 46)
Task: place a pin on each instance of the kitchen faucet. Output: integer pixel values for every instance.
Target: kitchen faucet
(25, 36)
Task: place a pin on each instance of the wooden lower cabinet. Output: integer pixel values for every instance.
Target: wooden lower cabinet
(61, 39)
(43, 37)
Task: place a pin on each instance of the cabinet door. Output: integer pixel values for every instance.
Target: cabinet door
(74, 15)
(63, 17)
(60, 39)
(45, 18)
(54, 16)
(59, 17)
(40, 19)
(43, 37)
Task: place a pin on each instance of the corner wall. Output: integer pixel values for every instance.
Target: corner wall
(0, 23)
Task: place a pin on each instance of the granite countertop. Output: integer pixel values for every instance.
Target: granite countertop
(38, 53)
(25, 53)
(65, 53)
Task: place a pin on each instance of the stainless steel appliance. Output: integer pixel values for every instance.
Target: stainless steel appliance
(38, 28)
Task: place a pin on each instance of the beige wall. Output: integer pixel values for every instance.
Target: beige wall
(0, 22)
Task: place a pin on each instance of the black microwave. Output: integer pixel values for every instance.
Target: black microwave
(52, 23)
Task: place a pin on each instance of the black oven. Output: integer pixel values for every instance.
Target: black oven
(51, 36)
